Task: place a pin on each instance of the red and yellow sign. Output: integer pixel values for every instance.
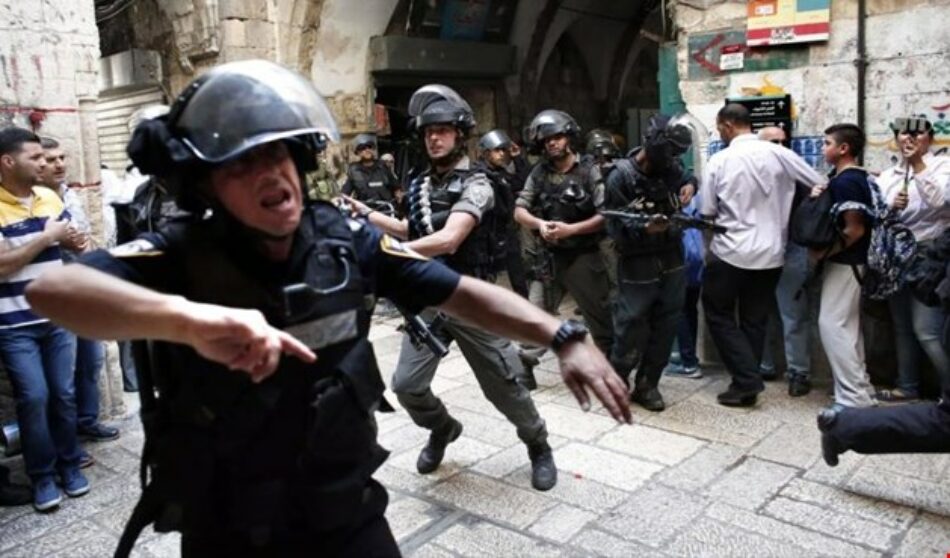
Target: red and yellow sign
(779, 22)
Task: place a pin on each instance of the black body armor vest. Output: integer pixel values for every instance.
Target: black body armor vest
(371, 183)
(293, 454)
(567, 198)
(429, 210)
(649, 195)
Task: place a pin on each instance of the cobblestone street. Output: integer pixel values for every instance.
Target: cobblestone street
(696, 480)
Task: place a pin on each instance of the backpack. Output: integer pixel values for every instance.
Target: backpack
(814, 223)
(892, 247)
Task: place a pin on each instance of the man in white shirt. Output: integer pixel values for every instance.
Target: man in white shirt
(749, 190)
(919, 189)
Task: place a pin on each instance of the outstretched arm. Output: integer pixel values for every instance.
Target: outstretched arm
(99, 306)
(506, 314)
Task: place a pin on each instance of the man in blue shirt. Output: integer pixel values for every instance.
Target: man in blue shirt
(839, 318)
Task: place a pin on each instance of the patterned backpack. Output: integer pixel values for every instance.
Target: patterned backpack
(892, 247)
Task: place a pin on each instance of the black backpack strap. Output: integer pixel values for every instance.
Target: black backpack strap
(143, 515)
(146, 510)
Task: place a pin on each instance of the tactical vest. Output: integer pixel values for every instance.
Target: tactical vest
(293, 454)
(504, 208)
(371, 184)
(429, 210)
(650, 195)
(567, 198)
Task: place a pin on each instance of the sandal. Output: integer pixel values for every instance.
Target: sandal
(896, 395)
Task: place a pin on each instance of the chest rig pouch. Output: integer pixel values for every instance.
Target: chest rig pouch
(429, 209)
(370, 183)
(293, 454)
(567, 198)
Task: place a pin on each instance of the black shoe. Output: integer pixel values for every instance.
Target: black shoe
(768, 376)
(830, 447)
(431, 455)
(799, 387)
(649, 398)
(98, 433)
(735, 398)
(543, 470)
(13, 494)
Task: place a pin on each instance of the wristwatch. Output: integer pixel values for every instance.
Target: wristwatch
(570, 330)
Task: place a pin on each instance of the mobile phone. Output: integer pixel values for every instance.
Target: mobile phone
(912, 125)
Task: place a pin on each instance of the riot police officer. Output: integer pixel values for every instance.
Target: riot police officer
(495, 161)
(369, 179)
(260, 437)
(602, 149)
(451, 217)
(651, 271)
(560, 200)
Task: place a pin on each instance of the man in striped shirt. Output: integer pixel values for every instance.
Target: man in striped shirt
(37, 355)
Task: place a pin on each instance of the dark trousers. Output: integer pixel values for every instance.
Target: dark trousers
(130, 382)
(729, 293)
(514, 264)
(687, 329)
(89, 358)
(369, 537)
(918, 428)
(645, 317)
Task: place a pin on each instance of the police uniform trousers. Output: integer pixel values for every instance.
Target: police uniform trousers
(584, 275)
(495, 362)
(916, 428)
(650, 299)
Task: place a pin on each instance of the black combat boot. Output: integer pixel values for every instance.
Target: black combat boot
(431, 455)
(831, 448)
(543, 470)
(13, 494)
(648, 397)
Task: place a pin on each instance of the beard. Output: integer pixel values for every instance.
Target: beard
(448, 159)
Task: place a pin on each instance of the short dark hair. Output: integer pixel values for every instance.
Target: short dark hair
(735, 113)
(849, 134)
(12, 139)
(48, 143)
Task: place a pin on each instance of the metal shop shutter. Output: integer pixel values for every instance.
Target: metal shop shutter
(112, 114)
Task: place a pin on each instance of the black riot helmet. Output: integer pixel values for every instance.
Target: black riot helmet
(496, 139)
(364, 140)
(549, 123)
(226, 112)
(439, 104)
(667, 138)
(600, 144)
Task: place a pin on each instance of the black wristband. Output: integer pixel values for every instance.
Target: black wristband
(570, 330)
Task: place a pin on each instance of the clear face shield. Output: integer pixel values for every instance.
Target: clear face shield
(242, 105)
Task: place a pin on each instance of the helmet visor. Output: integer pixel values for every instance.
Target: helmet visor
(245, 104)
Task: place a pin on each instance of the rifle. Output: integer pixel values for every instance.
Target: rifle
(681, 220)
(421, 333)
(542, 271)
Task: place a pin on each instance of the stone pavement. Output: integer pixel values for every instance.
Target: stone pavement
(696, 480)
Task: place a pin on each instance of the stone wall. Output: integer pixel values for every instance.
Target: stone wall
(49, 61)
(907, 49)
